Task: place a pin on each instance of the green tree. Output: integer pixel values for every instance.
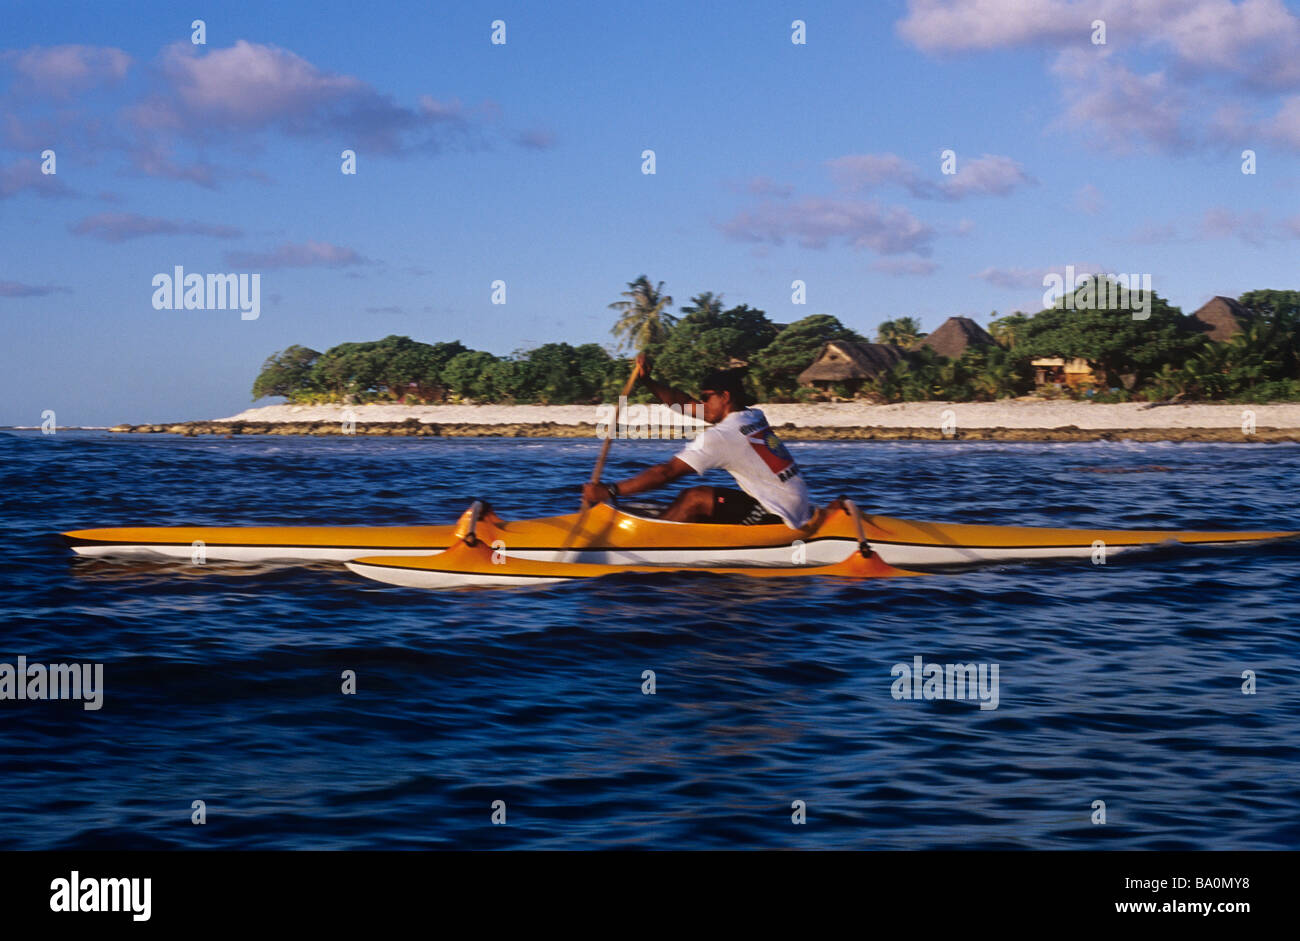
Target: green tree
(991, 372)
(777, 365)
(1115, 343)
(509, 379)
(980, 374)
(705, 307)
(901, 331)
(1168, 382)
(287, 373)
(350, 369)
(1273, 305)
(1277, 319)
(643, 321)
(556, 374)
(465, 374)
(917, 378)
(1009, 331)
(597, 371)
(1261, 356)
(707, 339)
(1207, 372)
(427, 365)
(402, 362)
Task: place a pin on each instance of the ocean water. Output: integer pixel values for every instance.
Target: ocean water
(1119, 683)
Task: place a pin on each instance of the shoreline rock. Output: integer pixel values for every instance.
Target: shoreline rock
(415, 428)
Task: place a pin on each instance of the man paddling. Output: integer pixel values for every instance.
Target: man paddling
(740, 442)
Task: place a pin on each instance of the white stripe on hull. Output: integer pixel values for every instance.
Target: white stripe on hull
(821, 552)
(426, 578)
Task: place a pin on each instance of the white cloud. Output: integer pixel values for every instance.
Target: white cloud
(987, 175)
(1255, 40)
(26, 174)
(1284, 127)
(856, 172)
(1254, 227)
(1172, 74)
(815, 222)
(1012, 278)
(306, 255)
(948, 25)
(64, 71)
(766, 186)
(121, 226)
(1113, 107)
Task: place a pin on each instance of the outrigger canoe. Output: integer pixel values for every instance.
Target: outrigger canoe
(603, 535)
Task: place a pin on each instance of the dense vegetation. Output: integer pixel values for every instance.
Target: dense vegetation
(399, 369)
(1164, 356)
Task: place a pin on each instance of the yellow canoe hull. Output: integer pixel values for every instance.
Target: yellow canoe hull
(480, 566)
(606, 536)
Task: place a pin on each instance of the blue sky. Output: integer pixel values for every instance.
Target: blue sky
(522, 162)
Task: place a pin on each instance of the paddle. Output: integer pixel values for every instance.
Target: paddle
(604, 452)
(609, 439)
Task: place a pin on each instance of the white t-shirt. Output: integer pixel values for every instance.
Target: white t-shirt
(743, 445)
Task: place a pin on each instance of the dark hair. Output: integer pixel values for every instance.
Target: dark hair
(728, 380)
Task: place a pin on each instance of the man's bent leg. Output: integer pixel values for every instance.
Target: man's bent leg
(694, 505)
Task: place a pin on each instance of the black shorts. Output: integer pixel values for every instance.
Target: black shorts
(739, 508)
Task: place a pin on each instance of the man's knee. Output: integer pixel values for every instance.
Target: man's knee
(694, 504)
(700, 499)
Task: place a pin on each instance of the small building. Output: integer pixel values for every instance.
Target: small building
(1059, 371)
(850, 363)
(956, 336)
(1221, 318)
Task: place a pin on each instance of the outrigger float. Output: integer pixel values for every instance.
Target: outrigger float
(482, 549)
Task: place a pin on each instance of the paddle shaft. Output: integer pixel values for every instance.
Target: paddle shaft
(863, 546)
(609, 439)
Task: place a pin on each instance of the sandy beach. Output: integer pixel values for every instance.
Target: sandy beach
(1009, 420)
(1010, 414)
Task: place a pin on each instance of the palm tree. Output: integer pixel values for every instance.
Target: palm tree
(1008, 331)
(994, 380)
(947, 380)
(1170, 382)
(903, 331)
(1207, 371)
(644, 318)
(1255, 354)
(708, 305)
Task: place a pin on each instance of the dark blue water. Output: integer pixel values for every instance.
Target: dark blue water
(1119, 683)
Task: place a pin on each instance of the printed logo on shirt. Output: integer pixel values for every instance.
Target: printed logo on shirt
(769, 447)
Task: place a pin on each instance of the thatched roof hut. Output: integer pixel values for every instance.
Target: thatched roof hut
(956, 336)
(850, 362)
(1221, 318)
